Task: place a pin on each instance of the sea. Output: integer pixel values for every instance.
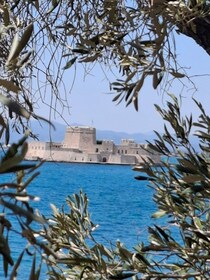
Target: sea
(121, 205)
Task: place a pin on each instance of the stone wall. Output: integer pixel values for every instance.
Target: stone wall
(133, 149)
(36, 149)
(82, 138)
(105, 146)
(80, 146)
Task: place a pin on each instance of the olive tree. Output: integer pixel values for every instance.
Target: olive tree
(42, 39)
(178, 245)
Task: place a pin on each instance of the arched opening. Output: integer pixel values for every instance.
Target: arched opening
(104, 159)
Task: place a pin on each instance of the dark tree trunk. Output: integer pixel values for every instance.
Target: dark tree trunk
(199, 30)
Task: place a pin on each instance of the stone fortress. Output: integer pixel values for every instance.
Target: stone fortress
(80, 146)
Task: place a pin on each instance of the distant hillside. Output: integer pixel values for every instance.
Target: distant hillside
(45, 133)
(118, 136)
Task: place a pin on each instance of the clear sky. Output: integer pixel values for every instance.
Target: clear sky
(90, 103)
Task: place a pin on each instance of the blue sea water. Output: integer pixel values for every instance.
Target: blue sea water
(121, 205)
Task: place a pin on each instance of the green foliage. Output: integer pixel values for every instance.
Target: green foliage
(136, 37)
(15, 200)
(178, 247)
(182, 195)
(78, 254)
(41, 39)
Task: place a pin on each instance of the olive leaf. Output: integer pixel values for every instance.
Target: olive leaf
(9, 85)
(19, 44)
(14, 106)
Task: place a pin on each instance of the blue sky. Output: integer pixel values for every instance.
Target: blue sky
(90, 103)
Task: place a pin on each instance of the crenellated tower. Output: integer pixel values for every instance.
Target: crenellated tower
(80, 137)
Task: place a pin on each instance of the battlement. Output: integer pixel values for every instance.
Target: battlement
(80, 137)
(80, 129)
(127, 141)
(80, 145)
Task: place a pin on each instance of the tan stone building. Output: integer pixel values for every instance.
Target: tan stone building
(80, 145)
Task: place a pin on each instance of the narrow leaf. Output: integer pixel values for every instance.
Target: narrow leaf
(19, 45)
(54, 5)
(15, 268)
(177, 74)
(159, 214)
(14, 106)
(33, 269)
(22, 212)
(9, 85)
(70, 63)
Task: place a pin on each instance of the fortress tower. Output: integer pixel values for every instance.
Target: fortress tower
(82, 138)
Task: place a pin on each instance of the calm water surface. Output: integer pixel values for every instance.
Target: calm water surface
(121, 205)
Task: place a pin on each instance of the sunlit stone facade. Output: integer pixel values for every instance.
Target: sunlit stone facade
(80, 145)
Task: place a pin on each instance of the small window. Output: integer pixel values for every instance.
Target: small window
(118, 151)
(137, 152)
(125, 151)
(96, 150)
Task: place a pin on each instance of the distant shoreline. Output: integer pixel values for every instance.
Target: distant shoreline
(89, 162)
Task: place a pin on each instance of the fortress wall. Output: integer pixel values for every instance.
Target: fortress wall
(122, 149)
(135, 149)
(83, 138)
(80, 146)
(105, 156)
(105, 146)
(69, 156)
(64, 156)
(88, 139)
(36, 149)
(122, 159)
(127, 142)
(71, 138)
(128, 159)
(94, 158)
(84, 157)
(54, 155)
(115, 159)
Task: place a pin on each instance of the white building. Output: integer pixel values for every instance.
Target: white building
(80, 145)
